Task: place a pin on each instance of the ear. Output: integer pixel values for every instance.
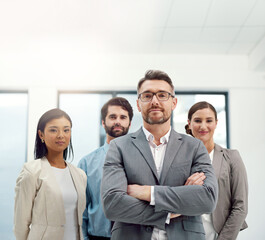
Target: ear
(41, 135)
(189, 123)
(174, 103)
(216, 123)
(103, 123)
(138, 105)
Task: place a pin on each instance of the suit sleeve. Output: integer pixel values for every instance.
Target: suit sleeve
(239, 198)
(25, 192)
(190, 200)
(117, 204)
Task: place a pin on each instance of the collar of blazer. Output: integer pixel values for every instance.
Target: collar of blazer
(173, 145)
(77, 180)
(57, 200)
(217, 159)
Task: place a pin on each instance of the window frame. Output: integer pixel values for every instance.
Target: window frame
(186, 92)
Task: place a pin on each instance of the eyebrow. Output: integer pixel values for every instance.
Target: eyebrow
(148, 91)
(116, 115)
(57, 127)
(206, 118)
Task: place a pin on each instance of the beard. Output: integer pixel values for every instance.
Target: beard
(161, 120)
(113, 133)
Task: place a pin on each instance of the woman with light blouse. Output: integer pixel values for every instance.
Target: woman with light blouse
(232, 206)
(50, 192)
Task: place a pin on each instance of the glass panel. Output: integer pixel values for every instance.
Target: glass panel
(88, 133)
(84, 110)
(185, 101)
(13, 137)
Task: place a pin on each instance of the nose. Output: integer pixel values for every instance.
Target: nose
(60, 134)
(154, 100)
(117, 123)
(203, 125)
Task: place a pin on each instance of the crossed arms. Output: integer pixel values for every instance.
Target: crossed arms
(144, 192)
(124, 202)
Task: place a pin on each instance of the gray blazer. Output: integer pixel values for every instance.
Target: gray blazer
(130, 161)
(232, 206)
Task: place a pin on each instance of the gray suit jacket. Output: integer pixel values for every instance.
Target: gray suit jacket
(232, 206)
(130, 161)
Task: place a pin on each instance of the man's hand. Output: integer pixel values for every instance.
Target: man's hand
(144, 192)
(174, 215)
(140, 192)
(196, 179)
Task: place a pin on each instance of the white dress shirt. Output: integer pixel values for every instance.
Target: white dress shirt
(210, 233)
(158, 153)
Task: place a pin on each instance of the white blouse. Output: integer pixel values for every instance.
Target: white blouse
(69, 195)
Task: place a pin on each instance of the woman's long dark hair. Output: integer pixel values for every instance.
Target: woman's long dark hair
(40, 149)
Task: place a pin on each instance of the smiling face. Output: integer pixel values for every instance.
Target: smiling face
(56, 135)
(155, 111)
(203, 124)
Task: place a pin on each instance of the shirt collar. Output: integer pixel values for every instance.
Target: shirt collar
(211, 155)
(106, 147)
(150, 138)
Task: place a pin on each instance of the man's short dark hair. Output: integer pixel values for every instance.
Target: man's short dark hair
(117, 101)
(155, 75)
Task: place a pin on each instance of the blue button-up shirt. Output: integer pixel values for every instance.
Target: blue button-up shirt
(94, 221)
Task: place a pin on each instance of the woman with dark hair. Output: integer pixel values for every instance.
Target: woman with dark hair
(50, 192)
(232, 206)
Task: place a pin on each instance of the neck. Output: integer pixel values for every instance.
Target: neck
(157, 130)
(109, 138)
(209, 145)
(56, 159)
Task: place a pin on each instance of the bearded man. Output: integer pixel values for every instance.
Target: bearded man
(116, 117)
(143, 186)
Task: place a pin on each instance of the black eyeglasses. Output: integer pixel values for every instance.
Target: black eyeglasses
(148, 96)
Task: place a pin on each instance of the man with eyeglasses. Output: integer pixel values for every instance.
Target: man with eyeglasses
(146, 188)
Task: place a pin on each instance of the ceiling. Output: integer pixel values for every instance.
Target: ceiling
(229, 27)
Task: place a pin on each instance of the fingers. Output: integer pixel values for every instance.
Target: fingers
(192, 179)
(196, 179)
(174, 215)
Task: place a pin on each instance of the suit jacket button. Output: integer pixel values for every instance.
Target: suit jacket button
(149, 229)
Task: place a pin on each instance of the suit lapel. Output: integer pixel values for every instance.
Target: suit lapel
(76, 180)
(173, 146)
(217, 160)
(141, 143)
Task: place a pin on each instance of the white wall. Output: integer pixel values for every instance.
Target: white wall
(247, 115)
(43, 75)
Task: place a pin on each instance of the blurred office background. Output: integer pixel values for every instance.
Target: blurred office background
(77, 54)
